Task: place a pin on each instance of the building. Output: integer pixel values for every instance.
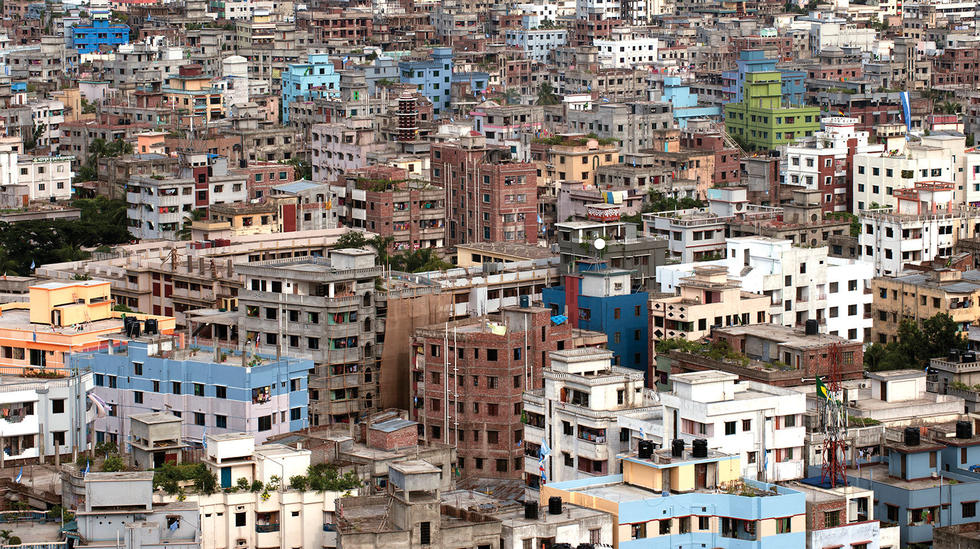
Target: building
(626, 52)
(804, 283)
(898, 398)
(576, 416)
(602, 299)
(46, 177)
(924, 224)
(210, 390)
(761, 121)
(195, 92)
(844, 515)
(536, 44)
(482, 253)
(317, 78)
(342, 146)
(636, 125)
(432, 76)
(572, 157)
(706, 299)
(155, 438)
(751, 61)
(623, 247)
(956, 375)
(99, 33)
(489, 197)
(921, 295)
(878, 175)
(467, 382)
(688, 496)
(761, 424)
(43, 417)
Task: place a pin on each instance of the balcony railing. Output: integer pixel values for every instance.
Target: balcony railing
(266, 528)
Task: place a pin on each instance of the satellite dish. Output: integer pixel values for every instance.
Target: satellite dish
(599, 243)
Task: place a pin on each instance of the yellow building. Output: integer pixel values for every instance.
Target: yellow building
(572, 157)
(707, 298)
(690, 494)
(921, 295)
(191, 90)
(237, 219)
(478, 253)
(61, 318)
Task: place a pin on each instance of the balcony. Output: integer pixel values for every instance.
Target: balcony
(266, 528)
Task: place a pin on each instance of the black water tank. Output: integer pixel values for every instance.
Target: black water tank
(911, 436)
(964, 429)
(150, 326)
(699, 448)
(645, 450)
(531, 510)
(586, 546)
(969, 356)
(677, 448)
(525, 301)
(954, 355)
(811, 327)
(554, 505)
(562, 546)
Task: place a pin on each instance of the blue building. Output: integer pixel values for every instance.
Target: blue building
(259, 395)
(602, 300)
(310, 80)
(684, 104)
(433, 77)
(925, 482)
(667, 499)
(793, 88)
(102, 32)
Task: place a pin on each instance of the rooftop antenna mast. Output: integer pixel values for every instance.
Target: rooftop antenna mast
(833, 471)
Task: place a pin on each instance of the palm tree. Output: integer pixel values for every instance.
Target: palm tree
(382, 244)
(547, 95)
(948, 107)
(511, 96)
(189, 218)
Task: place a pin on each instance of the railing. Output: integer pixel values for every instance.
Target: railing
(266, 528)
(329, 527)
(38, 545)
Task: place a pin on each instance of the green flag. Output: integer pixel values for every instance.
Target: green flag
(822, 390)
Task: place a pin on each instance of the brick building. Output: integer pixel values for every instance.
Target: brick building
(958, 67)
(489, 197)
(488, 366)
(585, 31)
(726, 158)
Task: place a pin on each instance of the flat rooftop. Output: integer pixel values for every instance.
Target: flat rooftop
(525, 251)
(156, 418)
(784, 335)
(20, 319)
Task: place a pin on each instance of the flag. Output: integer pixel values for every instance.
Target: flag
(32, 264)
(174, 525)
(88, 467)
(906, 112)
(840, 113)
(34, 335)
(822, 391)
(101, 407)
(544, 451)
(204, 438)
(20, 475)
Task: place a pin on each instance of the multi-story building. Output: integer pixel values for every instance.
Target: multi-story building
(339, 147)
(877, 175)
(803, 283)
(635, 124)
(920, 295)
(706, 299)
(958, 375)
(924, 225)
(43, 417)
(317, 78)
(99, 33)
(468, 378)
(221, 390)
(572, 158)
(46, 177)
(761, 121)
(537, 44)
(688, 496)
(626, 52)
(602, 300)
(844, 515)
(384, 201)
(824, 161)
(194, 91)
(432, 76)
(489, 197)
(751, 61)
(581, 431)
(622, 248)
(761, 424)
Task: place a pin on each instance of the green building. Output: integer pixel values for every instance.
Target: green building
(761, 121)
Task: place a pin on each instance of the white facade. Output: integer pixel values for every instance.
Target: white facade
(578, 411)
(156, 208)
(829, 34)
(597, 9)
(536, 44)
(803, 283)
(626, 53)
(48, 116)
(46, 177)
(44, 417)
(876, 176)
(761, 423)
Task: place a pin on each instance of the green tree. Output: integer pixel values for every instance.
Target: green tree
(547, 95)
(189, 218)
(382, 244)
(112, 464)
(351, 239)
(302, 169)
(419, 261)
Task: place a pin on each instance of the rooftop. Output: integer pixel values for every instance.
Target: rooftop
(524, 251)
(784, 335)
(155, 418)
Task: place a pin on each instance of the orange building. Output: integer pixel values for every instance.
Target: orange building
(61, 318)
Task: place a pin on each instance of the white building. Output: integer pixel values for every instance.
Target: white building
(877, 175)
(761, 423)
(577, 414)
(838, 33)
(803, 283)
(46, 177)
(537, 44)
(278, 516)
(627, 52)
(44, 417)
(597, 9)
(924, 224)
(156, 208)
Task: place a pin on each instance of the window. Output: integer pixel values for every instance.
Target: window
(221, 421)
(175, 387)
(501, 465)
(891, 512)
(156, 386)
(240, 519)
(746, 424)
(783, 525)
(969, 509)
(831, 519)
(665, 526)
(789, 421)
(265, 423)
(198, 418)
(199, 389)
(58, 437)
(638, 531)
(138, 368)
(729, 427)
(138, 397)
(492, 437)
(58, 406)
(425, 533)
(220, 391)
(704, 523)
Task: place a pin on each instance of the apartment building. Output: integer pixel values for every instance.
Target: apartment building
(46, 177)
(635, 124)
(921, 295)
(467, 383)
(305, 81)
(224, 390)
(761, 121)
(537, 44)
(761, 424)
(582, 432)
(44, 418)
(627, 52)
(339, 147)
(623, 247)
(192, 90)
(878, 175)
(433, 77)
(572, 157)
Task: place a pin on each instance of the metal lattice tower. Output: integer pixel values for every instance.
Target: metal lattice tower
(835, 424)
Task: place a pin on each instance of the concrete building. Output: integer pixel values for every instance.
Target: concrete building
(761, 424)
(316, 78)
(844, 515)
(99, 34)
(898, 398)
(572, 157)
(467, 382)
(623, 247)
(44, 418)
(580, 432)
(957, 375)
(921, 295)
(635, 124)
(761, 121)
(708, 502)
(432, 76)
(536, 44)
(602, 299)
(803, 283)
(207, 389)
(193, 90)
(46, 177)
(706, 299)
(627, 52)
(342, 146)
(878, 175)
(155, 439)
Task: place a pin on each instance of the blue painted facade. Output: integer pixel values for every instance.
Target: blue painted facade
(794, 86)
(305, 81)
(917, 501)
(89, 38)
(433, 77)
(684, 104)
(263, 399)
(628, 335)
(478, 81)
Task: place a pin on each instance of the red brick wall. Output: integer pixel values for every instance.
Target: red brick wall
(402, 438)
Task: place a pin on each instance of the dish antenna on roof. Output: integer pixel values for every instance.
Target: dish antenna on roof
(599, 244)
